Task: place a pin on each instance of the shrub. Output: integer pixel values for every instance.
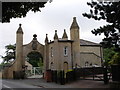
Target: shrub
(115, 59)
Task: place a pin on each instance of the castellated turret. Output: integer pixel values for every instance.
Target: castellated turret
(19, 49)
(74, 35)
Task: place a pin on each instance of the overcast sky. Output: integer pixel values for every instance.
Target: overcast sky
(57, 15)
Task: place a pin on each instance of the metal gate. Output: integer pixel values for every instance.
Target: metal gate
(92, 73)
(35, 72)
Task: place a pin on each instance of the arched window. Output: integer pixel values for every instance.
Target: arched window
(51, 51)
(86, 64)
(65, 51)
(51, 66)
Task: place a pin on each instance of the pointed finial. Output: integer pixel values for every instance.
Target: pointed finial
(74, 24)
(20, 25)
(55, 36)
(20, 29)
(64, 35)
(46, 39)
(55, 31)
(74, 18)
(34, 37)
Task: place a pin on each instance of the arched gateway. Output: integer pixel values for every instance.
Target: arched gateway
(59, 54)
(34, 47)
(18, 66)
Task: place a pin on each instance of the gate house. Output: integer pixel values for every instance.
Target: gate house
(59, 54)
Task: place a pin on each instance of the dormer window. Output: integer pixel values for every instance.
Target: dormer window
(65, 51)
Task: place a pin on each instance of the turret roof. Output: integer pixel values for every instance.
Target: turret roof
(74, 24)
(55, 36)
(64, 34)
(46, 39)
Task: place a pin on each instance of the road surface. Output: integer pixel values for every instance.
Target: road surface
(15, 85)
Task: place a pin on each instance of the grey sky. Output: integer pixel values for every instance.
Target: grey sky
(57, 15)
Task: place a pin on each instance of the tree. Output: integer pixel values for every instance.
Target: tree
(35, 59)
(115, 59)
(110, 12)
(10, 53)
(19, 9)
(40, 63)
(108, 53)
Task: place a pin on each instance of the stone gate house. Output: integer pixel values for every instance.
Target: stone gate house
(59, 54)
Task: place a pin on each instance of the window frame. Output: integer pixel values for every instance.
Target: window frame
(66, 51)
(51, 49)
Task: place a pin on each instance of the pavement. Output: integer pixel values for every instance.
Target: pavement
(75, 84)
(35, 76)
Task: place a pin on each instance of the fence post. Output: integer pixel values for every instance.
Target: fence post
(105, 75)
(31, 71)
(61, 77)
(49, 76)
(34, 70)
(93, 73)
(56, 76)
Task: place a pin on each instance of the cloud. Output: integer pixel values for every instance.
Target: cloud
(54, 16)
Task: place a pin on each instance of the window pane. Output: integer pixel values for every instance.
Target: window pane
(65, 51)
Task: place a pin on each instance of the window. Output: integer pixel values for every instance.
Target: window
(86, 64)
(65, 51)
(51, 51)
(51, 65)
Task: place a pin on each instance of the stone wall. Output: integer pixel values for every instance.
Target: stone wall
(28, 48)
(91, 54)
(89, 59)
(92, 49)
(7, 72)
(58, 57)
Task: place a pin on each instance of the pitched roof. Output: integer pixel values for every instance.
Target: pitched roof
(82, 42)
(88, 43)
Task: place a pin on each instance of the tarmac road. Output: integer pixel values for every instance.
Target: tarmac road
(33, 84)
(15, 85)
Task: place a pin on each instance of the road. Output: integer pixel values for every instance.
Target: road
(15, 85)
(33, 84)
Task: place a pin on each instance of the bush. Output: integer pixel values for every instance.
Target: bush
(115, 59)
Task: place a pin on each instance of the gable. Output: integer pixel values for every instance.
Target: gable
(88, 43)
